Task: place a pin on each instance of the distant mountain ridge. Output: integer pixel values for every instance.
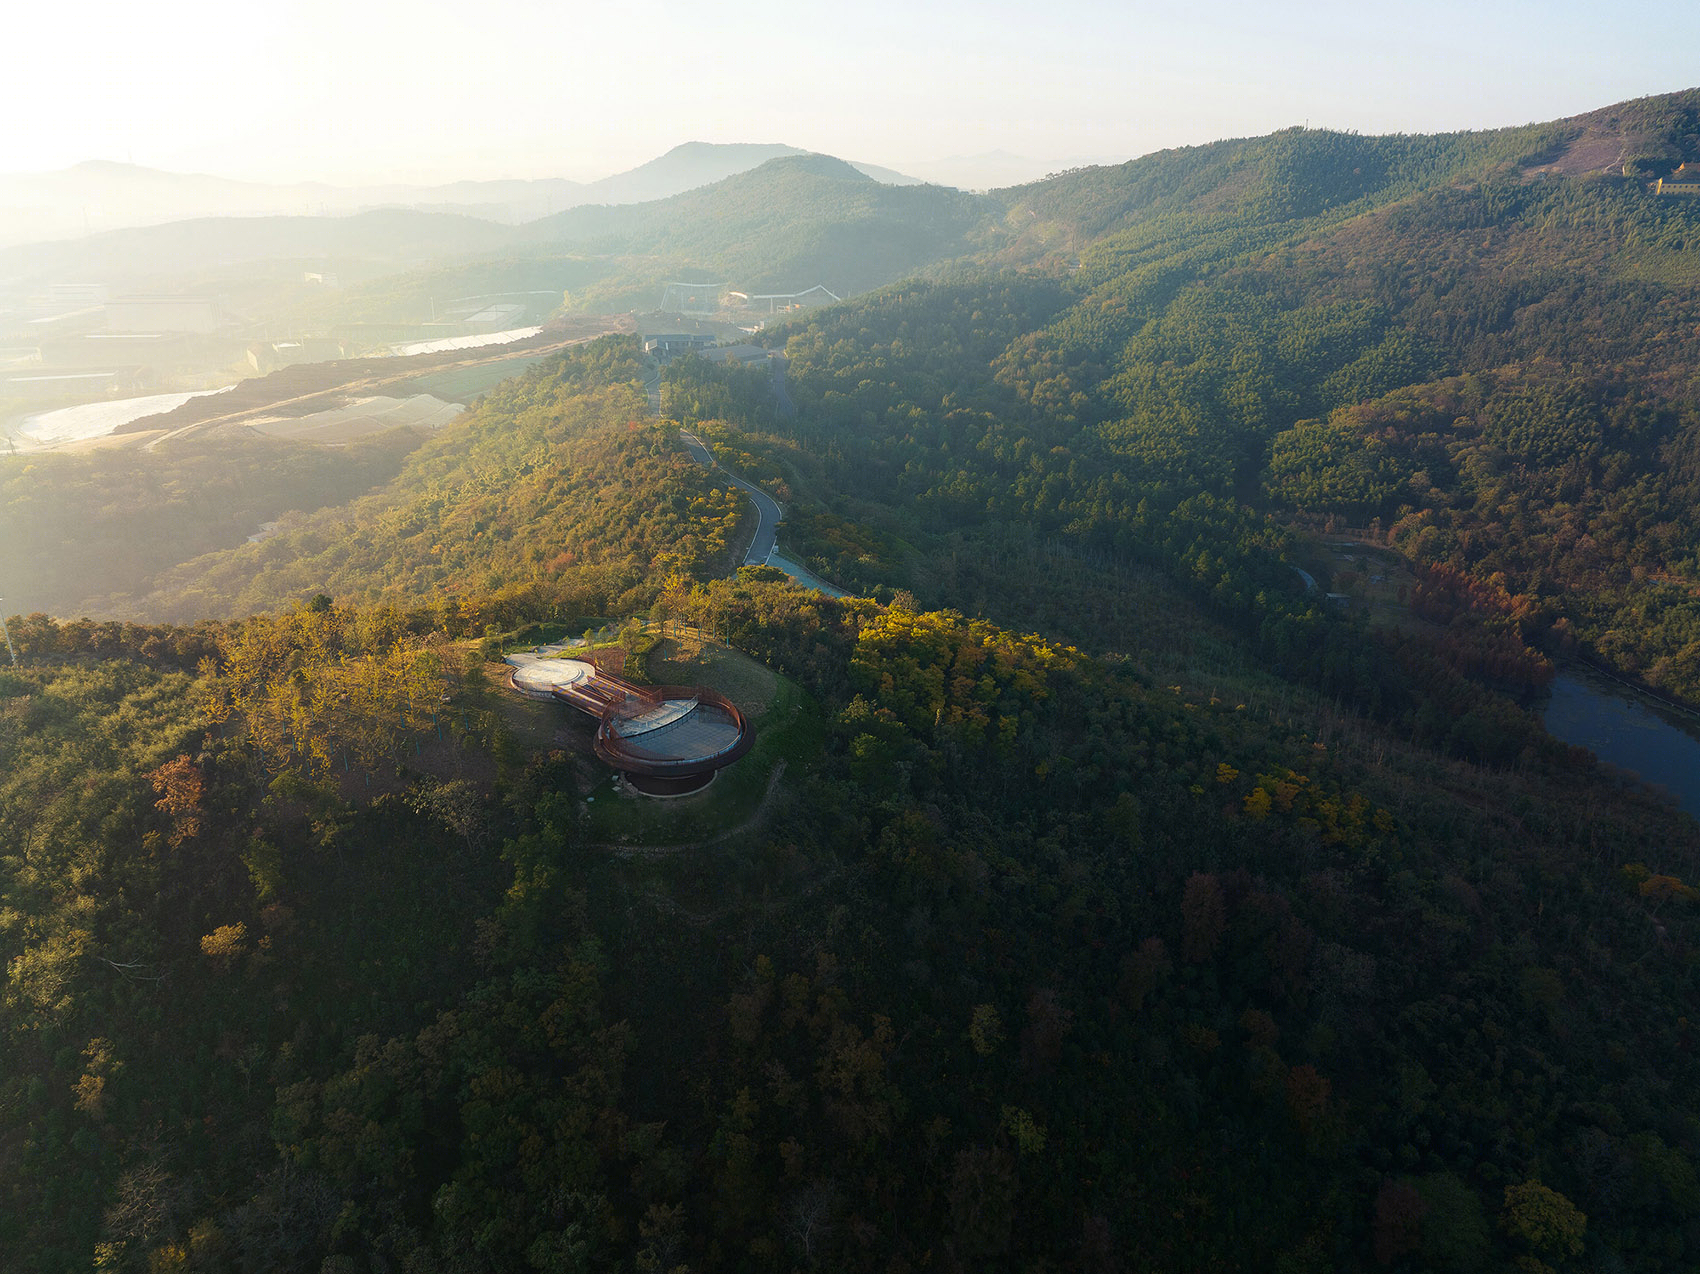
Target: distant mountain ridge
(768, 217)
(100, 195)
(796, 220)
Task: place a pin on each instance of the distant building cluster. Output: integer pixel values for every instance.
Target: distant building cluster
(1684, 181)
(779, 302)
(665, 345)
(710, 300)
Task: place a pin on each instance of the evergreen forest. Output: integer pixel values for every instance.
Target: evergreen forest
(1158, 862)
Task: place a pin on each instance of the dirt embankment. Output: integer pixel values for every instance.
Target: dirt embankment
(310, 387)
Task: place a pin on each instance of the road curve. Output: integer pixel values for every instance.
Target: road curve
(768, 512)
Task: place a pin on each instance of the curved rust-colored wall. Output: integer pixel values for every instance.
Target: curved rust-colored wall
(608, 747)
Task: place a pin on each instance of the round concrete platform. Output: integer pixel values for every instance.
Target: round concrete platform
(540, 675)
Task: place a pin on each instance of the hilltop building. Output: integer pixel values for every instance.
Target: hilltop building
(670, 345)
(665, 740)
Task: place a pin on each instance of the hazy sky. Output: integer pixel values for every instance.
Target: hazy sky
(362, 90)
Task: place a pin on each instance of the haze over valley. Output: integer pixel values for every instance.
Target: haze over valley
(810, 707)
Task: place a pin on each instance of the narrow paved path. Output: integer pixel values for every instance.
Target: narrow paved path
(768, 512)
(652, 385)
(776, 368)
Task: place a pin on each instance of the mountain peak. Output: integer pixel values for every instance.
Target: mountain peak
(688, 150)
(111, 168)
(817, 165)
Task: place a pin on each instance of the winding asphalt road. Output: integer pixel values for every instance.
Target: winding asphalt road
(768, 512)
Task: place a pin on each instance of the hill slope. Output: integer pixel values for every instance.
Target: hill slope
(102, 196)
(165, 255)
(1490, 356)
(787, 225)
(551, 486)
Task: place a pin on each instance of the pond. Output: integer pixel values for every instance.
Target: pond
(1628, 730)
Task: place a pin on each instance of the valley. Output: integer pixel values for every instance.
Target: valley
(1172, 843)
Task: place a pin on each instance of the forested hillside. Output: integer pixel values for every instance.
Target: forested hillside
(1494, 368)
(86, 532)
(1129, 902)
(558, 486)
(1043, 961)
(784, 227)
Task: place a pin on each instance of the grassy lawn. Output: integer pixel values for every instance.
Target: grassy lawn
(750, 685)
(789, 727)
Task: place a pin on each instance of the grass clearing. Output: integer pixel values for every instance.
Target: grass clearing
(679, 661)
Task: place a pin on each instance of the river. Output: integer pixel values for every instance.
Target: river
(445, 344)
(1629, 731)
(96, 420)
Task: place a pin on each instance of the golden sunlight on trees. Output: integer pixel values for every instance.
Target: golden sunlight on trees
(226, 942)
(321, 688)
(181, 788)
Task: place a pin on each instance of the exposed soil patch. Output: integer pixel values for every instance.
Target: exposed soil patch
(1592, 152)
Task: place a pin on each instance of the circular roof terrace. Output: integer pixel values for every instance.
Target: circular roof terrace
(673, 732)
(663, 738)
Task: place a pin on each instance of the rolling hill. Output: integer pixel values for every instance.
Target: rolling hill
(100, 196)
(787, 225)
(1168, 868)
